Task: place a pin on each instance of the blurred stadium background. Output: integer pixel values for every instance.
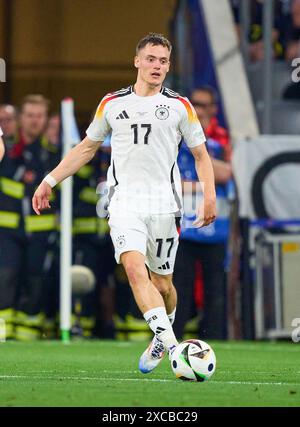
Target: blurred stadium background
(247, 52)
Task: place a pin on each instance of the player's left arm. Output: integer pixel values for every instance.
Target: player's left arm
(2, 147)
(207, 212)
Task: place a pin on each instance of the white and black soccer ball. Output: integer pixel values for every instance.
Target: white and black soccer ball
(193, 360)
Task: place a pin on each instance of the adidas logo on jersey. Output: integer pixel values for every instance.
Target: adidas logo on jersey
(122, 115)
(166, 266)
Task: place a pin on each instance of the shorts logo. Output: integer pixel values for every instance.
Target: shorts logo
(120, 242)
(162, 112)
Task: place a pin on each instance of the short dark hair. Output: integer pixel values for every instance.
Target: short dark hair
(208, 89)
(155, 39)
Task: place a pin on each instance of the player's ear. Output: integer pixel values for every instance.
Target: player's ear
(136, 61)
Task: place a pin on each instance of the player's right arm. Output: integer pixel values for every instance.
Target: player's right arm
(77, 157)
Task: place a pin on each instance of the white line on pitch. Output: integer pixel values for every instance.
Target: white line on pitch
(138, 379)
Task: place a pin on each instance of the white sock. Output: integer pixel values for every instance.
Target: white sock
(171, 316)
(159, 322)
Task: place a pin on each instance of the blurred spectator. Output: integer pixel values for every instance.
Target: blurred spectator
(93, 249)
(292, 91)
(200, 264)
(25, 265)
(255, 36)
(52, 132)
(293, 34)
(9, 123)
(205, 102)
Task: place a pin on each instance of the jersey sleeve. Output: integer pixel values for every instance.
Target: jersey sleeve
(99, 128)
(190, 126)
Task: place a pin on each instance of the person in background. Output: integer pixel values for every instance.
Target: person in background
(9, 123)
(93, 312)
(26, 261)
(52, 132)
(292, 51)
(293, 33)
(205, 101)
(199, 269)
(281, 22)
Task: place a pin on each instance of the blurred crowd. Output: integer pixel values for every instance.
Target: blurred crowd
(285, 31)
(30, 244)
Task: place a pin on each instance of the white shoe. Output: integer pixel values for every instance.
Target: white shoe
(171, 350)
(152, 356)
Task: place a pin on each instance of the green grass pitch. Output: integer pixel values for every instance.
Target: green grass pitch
(105, 374)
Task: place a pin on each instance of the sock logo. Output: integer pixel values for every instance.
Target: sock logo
(159, 330)
(151, 318)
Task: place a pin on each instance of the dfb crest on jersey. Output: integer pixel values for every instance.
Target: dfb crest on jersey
(162, 112)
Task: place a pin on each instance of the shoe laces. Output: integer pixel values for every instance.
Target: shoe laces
(158, 349)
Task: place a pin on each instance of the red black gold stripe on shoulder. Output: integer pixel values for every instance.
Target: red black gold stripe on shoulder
(111, 96)
(192, 116)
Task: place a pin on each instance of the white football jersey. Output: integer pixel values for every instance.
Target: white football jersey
(145, 135)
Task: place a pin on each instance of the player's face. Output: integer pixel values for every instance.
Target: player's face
(153, 63)
(34, 119)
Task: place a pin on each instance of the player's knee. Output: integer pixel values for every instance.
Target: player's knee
(136, 273)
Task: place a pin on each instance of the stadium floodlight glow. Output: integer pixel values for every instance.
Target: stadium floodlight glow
(70, 138)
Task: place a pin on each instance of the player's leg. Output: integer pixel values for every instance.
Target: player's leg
(155, 352)
(164, 285)
(161, 254)
(145, 293)
(151, 304)
(130, 242)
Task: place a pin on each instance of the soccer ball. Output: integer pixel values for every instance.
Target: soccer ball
(193, 360)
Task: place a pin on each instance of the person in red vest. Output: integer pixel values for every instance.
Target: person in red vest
(199, 274)
(205, 102)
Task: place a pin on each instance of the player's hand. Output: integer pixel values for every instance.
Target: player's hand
(206, 213)
(41, 197)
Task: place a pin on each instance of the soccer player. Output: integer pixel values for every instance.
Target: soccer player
(147, 122)
(2, 149)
